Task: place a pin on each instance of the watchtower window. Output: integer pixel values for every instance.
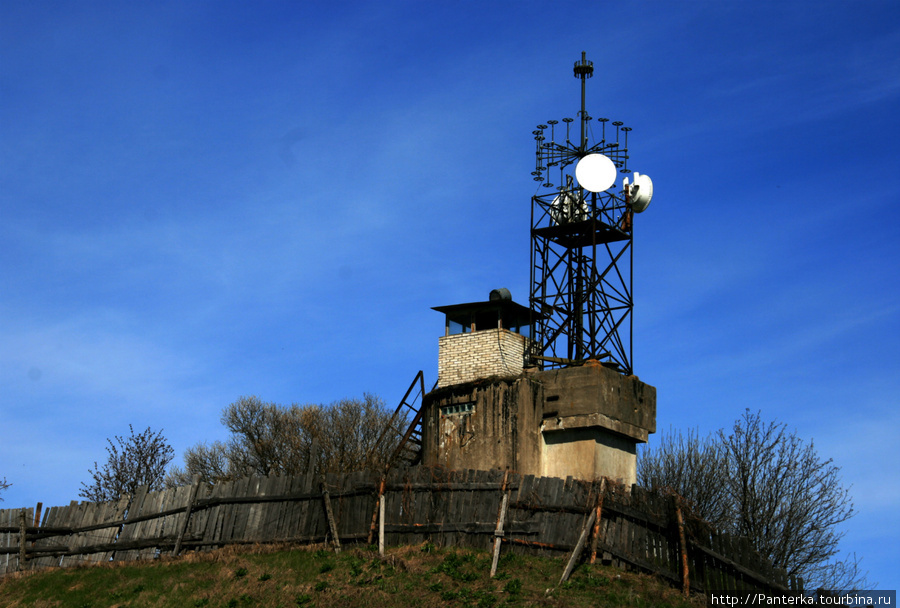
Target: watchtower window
(488, 319)
(457, 408)
(457, 326)
(497, 313)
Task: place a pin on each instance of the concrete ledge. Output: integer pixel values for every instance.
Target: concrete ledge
(592, 388)
(596, 419)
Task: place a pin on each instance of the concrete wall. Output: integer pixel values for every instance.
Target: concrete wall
(589, 453)
(501, 431)
(593, 395)
(579, 421)
(481, 354)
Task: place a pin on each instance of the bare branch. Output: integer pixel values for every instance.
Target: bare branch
(132, 462)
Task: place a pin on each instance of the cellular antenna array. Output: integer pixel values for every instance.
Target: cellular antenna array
(582, 227)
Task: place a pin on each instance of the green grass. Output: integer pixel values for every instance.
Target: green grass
(269, 577)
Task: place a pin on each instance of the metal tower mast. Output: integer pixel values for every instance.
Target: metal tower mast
(581, 245)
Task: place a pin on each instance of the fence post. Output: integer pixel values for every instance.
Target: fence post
(381, 525)
(195, 486)
(22, 543)
(378, 500)
(595, 540)
(682, 541)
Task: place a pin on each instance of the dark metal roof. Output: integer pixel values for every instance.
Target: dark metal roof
(505, 306)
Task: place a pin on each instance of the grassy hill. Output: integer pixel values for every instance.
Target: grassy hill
(271, 577)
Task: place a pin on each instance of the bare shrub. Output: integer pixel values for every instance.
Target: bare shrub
(267, 438)
(132, 462)
(766, 484)
(691, 467)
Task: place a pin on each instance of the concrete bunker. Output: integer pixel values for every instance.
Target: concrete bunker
(491, 411)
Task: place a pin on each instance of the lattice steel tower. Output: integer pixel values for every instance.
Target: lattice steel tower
(581, 240)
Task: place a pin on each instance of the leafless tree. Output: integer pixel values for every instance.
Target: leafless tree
(267, 438)
(786, 499)
(3, 486)
(765, 483)
(691, 467)
(132, 462)
(348, 432)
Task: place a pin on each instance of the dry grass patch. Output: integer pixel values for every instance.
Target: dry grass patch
(279, 576)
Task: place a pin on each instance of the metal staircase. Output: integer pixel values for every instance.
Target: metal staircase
(409, 415)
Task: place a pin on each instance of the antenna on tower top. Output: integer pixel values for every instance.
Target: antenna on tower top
(584, 69)
(581, 241)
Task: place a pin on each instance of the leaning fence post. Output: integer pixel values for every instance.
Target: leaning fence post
(330, 515)
(682, 541)
(195, 486)
(579, 547)
(501, 517)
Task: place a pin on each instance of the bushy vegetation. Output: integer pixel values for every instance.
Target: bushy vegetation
(764, 483)
(132, 462)
(268, 438)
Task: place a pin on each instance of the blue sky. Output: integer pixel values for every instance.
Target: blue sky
(203, 200)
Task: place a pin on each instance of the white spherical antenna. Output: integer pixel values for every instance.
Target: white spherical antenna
(641, 192)
(595, 172)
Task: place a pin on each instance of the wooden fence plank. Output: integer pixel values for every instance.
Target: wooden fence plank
(557, 525)
(243, 489)
(128, 530)
(75, 517)
(6, 540)
(230, 530)
(275, 517)
(290, 520)
(186, 518)
(115, 512)
(149, 529)
(210, 521)
(51, 518)
(472, 505)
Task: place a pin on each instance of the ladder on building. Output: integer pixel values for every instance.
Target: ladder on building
(406, 423)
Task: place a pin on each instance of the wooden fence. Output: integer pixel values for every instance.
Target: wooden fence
(585, 520)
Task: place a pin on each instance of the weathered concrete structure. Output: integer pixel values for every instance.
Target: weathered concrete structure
(583, 421)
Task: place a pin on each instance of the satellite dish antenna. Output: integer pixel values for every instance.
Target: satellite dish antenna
(595, 172)
(641, 192)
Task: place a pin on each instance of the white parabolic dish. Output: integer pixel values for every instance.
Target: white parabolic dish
(642, 192)
(595, 172)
